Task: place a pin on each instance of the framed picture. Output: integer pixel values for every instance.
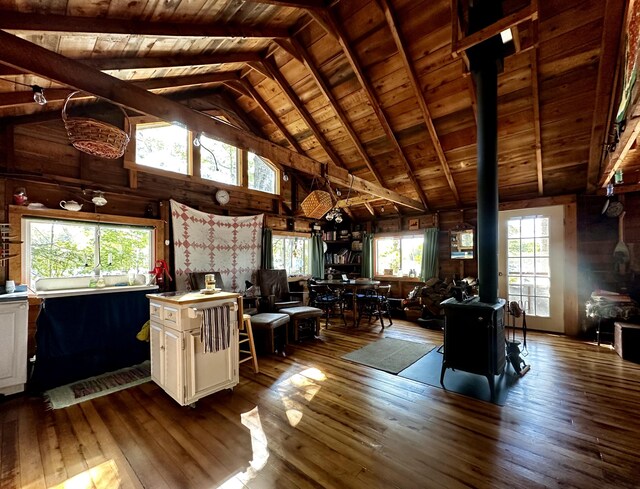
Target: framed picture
(414, 224)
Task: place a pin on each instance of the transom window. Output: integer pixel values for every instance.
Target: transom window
(171, 148)
(56, 248)
(398, 255)
(292, 254)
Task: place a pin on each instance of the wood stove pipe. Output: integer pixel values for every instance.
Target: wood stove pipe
(486, 61)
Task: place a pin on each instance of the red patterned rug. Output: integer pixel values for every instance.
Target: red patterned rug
(100, 385)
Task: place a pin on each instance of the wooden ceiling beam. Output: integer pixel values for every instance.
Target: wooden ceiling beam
(537, 130)
(373, 100)
(626, 143)
(25, 97)
(610, 46)
(38, 60)
(326, 91)
(393, 24)
(359, 200)
(253, 93)
(27, 22)
(287, 46)
(108, 64)
(370, 209)
(530, 12)
(305, 4)
(302, 110)
(262, 69)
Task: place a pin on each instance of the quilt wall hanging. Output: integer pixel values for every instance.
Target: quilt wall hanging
(205, 242)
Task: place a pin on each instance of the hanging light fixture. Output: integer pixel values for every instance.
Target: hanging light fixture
(38, 95)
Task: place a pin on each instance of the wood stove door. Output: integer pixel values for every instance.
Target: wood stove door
(531, 264)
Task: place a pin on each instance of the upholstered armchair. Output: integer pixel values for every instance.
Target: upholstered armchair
(274, 289)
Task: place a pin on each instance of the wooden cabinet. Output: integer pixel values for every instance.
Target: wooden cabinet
(179, 363)
(13, 346)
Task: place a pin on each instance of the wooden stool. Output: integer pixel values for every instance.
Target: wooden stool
(246, 335)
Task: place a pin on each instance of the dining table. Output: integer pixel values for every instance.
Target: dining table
(352, 285)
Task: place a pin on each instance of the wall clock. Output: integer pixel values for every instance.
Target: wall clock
(222, 196)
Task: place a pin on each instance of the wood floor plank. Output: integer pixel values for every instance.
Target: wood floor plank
(314, 420)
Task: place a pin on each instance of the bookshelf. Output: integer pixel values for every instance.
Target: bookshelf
(344, 251)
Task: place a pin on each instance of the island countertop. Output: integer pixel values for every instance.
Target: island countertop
(189, 297)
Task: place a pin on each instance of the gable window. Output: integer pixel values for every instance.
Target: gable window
(398, 255)
(292, 254)
(57, 248)
(262, 175)
(218, 161)
(163, 146)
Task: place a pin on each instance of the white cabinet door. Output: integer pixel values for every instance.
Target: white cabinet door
(13, 347)
(172, 366)
(157, 360)
(209, 372)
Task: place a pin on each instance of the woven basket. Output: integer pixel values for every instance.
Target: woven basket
(317, 204)
(96, 137)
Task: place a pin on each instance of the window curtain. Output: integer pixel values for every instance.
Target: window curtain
(367, 256)
(267, 248)
(429, 264)
(317, 256)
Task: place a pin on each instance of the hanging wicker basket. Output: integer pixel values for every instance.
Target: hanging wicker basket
(96, 137)
(317, 204)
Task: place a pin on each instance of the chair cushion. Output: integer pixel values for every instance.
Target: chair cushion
(269, 320)
(302, 312)
(283, 304)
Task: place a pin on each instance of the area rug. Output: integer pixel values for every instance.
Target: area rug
(100, 385)
(390, 354)
(427, 371)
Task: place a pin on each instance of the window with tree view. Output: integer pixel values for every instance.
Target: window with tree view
(398, 255)
(218, 161)
(163, 146)
(72, 249)
(262, 175)
(292, 254)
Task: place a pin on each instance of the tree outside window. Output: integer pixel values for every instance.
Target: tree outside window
(292, 254)
(398, 255)
(163, 146)
(218, 161)
(262, 176)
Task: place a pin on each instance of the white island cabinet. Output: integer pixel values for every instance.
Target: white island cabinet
(13, 346)
(179, 363)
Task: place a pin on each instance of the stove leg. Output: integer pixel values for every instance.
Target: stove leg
(492, 387)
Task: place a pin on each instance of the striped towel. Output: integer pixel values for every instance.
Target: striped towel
(215, 329)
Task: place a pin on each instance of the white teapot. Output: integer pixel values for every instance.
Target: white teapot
(70, 205)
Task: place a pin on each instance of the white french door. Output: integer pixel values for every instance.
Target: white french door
(531, 264)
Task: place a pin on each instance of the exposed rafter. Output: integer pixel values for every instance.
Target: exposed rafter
(302, 110)
(392, 22)
(306, 4)
(25, 97)
(253, 93)
(602, 113)
(326, 91)
(360, 200)
(535, 90)
(35, 59)
(373, 100)
(15, 21)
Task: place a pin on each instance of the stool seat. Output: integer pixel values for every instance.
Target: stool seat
(301, 313)
(269, 322)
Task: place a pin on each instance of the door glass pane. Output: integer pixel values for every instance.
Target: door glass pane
(513, 228)
(528, 266)
(542, 227)
(542, 267)
(527, 247)
(542, 287)
(513, 265)
(527, 228)
(513, 247)
(542, 307)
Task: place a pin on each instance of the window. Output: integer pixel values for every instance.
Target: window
(69, 249)
(218, 161)
(292, 254)
(163, 146)
(262, 175)
(398, 255)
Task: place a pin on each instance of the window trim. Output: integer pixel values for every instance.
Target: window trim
(399, 235)
(129, 162)
(17, 265)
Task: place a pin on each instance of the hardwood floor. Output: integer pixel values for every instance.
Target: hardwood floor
(314, 420)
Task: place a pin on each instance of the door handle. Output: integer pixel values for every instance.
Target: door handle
(499, 274)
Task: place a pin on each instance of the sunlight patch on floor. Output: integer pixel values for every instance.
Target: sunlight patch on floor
(101, 476)
(298, 390)
(251, 419)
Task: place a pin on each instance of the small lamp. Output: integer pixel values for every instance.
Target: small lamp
(38, 95)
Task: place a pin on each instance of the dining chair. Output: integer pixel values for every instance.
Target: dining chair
(330, 300)
(375, 302)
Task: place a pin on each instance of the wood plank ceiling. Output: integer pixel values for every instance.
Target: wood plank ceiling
(373, 87)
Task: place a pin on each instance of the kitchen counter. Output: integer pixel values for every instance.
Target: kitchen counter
(15, 296)
(46, 294)
(188, 297)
